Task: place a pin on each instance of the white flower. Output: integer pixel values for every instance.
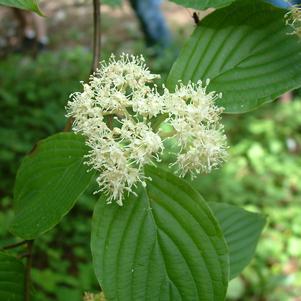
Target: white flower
(127, 72)
(206, 151)
(147, 102)
(144, 143)
(293, 19)
(114, 113)
(195, 119)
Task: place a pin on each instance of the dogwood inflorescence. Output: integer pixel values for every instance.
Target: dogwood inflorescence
(114, 113)
(293, 19)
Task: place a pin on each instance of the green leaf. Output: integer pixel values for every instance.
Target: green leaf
(246, 52)
(48, 183)
(112, 2)
(242, 230)
(11, 278)
(163, 244)
(23, 4)
(203, 4)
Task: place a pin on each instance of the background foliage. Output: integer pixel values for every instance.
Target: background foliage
(262, 175)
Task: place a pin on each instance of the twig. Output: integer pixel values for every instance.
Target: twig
(21, 256)
(96, 49)
(169, 134)
(27, 291)
(15, 245)
(68, 125)
(96, 35)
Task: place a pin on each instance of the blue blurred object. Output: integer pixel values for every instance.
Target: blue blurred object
(152, 22)
(283, 3)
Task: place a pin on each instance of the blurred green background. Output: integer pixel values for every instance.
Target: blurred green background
(262, 174)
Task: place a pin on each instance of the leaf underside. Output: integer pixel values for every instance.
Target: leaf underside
(203, 4)
(242, 231)
(31, 5)
(112, 2)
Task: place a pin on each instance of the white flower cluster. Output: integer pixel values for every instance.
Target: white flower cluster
(293, 19)
(195, 119)
(114, 113)
(94, 297)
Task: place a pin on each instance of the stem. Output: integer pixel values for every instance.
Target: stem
(15, 245)
(128, 115)
(27, 294)
(21, 256)
(96, 49)
(110, 122)
(169, 134)
(68, 125)
(96, 35)
(156, 122)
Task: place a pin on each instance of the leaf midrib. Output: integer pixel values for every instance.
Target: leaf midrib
(157, 239)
